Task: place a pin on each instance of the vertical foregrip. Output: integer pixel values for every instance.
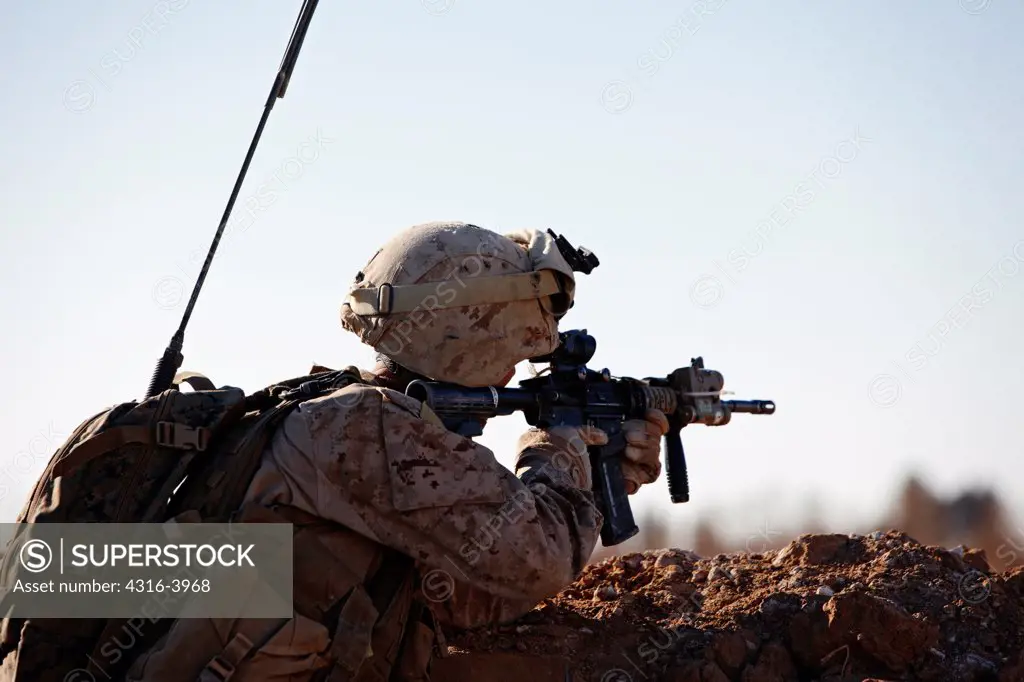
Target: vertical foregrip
(675, 467)
(610, 490)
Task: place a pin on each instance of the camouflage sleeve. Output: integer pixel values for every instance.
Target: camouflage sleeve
(490, 545)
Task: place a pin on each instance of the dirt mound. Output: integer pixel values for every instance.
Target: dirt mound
(833, 608)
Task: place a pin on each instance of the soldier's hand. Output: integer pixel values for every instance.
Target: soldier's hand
(642, 461)
(563, 447)
(579, 437)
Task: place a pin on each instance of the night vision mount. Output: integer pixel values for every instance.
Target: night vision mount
(579, 259)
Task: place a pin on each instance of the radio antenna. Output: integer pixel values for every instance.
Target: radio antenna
(167, 367)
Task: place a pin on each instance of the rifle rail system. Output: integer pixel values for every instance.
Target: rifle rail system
(571, 394)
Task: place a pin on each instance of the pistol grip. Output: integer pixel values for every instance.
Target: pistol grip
(610, 489)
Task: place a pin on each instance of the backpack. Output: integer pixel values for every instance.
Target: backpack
(171, 455)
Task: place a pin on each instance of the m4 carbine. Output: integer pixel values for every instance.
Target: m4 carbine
(570, 394)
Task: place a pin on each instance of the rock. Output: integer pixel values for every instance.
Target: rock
(673, 571)
(719, 573)
(810, 638)
(784, 554)
(813, 550)
(730, 652)
(1013, 671)
(667, 559)
(976, 663)
(954, 560)
(822, 549)
(879, 627)
(712, 673)
(773, 665)
(605, 593)
(690, 672)
(676, 557)
(779, 603)
(976, 559)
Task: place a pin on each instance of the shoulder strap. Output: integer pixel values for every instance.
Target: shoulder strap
(218, 484)
(197, 381)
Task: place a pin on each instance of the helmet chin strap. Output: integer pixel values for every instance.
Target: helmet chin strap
(395, 375)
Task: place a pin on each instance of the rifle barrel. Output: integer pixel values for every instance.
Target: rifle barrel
(750, 406)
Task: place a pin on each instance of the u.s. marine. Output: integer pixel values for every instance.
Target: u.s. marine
(389, 505)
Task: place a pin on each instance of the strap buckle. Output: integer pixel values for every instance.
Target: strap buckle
(222, 667)
(314, 388)
(217, 670)
(182, 437)
(385, 296)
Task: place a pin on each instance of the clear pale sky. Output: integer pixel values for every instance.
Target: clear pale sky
(822, 199)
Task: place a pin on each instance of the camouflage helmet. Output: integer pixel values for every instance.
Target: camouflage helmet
(458, 303)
